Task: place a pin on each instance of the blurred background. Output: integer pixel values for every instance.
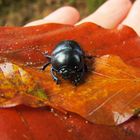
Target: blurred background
(20, 12)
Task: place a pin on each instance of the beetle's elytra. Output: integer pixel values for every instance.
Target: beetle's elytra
(68, 60)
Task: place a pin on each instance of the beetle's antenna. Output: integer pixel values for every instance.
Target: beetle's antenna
(46, 55)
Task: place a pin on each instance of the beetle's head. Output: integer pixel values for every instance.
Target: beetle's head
(65, 72)
(69, 72)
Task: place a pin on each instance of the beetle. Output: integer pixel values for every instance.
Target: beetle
(68, 60)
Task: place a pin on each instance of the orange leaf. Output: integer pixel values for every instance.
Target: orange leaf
(109, 95)
(26, 45)
(19, 87)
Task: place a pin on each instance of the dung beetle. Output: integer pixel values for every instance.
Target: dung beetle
(68, 60)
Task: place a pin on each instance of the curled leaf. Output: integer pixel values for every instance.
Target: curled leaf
(29, 44)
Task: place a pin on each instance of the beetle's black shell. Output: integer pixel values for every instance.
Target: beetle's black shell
(68, 60)
(68, 55)
(68, 45)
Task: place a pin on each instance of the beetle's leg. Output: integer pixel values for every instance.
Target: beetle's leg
(86, 68)
(78, 77)
(89, 57)
(54, 77)
(45, 65)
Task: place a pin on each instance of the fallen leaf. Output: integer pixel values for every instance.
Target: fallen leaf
(110, 93)
(25, 46)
